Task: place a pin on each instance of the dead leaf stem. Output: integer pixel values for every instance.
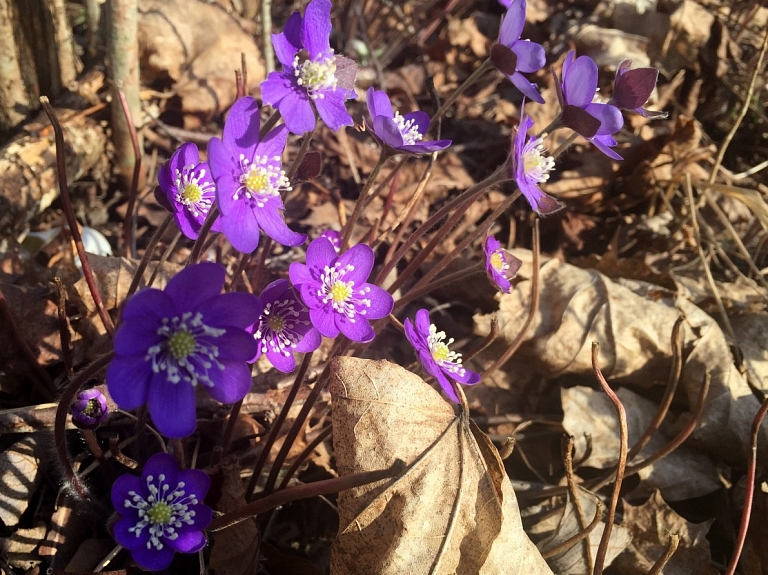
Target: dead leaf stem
(749, 490)
(64, 336)
(674, 541)
(581, 535)
(129, 222)
(602, 549)
(573, 491)
(66, 204)
(535, 296)
(481, 69)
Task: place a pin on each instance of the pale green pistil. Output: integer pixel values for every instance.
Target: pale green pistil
(93, 408)
(160, 513)
(192, 193)
(181, 344)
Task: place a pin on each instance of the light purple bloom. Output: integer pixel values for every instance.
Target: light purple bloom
(283, 327)
(595, 121)
(399, 133)
(171, 341)
(511, 55)
(312, 73)
(632, 88)
(187, 190)
(530, 166)
(249, 178)
(162, 513)
(500, 265)
(332, 236)
(89, 409)
(335, 290)
(434, 355)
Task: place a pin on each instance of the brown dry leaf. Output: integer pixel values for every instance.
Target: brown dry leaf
(752, 336)
(20, 549)
(452, 511)
(567, 525)
(235, 550)
(20, 474)
(683, 474)
(198, 46)
(632, 321)
(650, 525)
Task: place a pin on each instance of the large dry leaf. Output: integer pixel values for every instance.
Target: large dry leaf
(20, 473)
(683, 474)
(650, 525)
(632, 321)
(452, 510)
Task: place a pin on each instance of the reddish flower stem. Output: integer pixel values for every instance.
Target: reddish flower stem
(129, 223)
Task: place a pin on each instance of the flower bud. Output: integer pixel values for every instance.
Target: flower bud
(89, 409)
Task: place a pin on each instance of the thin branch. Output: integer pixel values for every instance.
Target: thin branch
(129, 223)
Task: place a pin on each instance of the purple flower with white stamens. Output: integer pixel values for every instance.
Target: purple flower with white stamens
(174, 340)
(333, 236)
(632, 88)
(594, 121)
(89, 409)
(162, 512)
(529, 166)
(249, 178)
(335, 289)
(500, 265)
(434, 355)
(312, 74)
(396, 132)
(283, 327)
(511, 55)
(187, 190)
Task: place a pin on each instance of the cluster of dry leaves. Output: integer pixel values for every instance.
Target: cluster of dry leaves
(661, 259)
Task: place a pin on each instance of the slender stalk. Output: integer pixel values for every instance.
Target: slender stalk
(481, 69)
(423, 290)
(302, 152)
(362, 199)
(64, 336)
(197, 249)
(66, 204)
(129, 223)
(136, 280)
(322, 436)
(93, 445)
(269, 124)
(234, 413)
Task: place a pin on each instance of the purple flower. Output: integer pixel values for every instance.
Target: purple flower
(162, 512)
(399, 133)
(595, 121)
(332, 236)
(434, 355)
(500, 265)
(249, 178)
(283, 327)
(632, 88)
(334, 289)
(187, 190)
(89, 409)
(172, 340)
(511, 55)
(312, 73)
(530, 166)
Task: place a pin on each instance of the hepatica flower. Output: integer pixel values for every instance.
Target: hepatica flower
(632, 88)
(396, 132)
(89, 409)
(594, 121)
(187, 190)
(249, 178)
(174, 340)
(500, 265)
(434, 355)
(529, 166)
(312, 74)
(335, 289)
(511, 55)
(162, 512)
(333, 236)
(283, 327)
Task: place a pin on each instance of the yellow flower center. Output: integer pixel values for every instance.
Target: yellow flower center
(440, 352)
(160, 513)
(192, 193)
(315, 75)
(277, 323)
(257, 181)
(497, 261)
(181, 344)
(340, 292)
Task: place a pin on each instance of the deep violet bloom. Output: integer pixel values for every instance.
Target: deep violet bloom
(162, 512)
(396, 132)
(171, 341)
(434, 355)
(186, 189)
(312, 73)
(335, 290)
(249, 178)
(530, 166)
(283, 327)
(500, 265)
(632, 88)
(594, 121)
(511, 55)
(89, 409)
(333, 236)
